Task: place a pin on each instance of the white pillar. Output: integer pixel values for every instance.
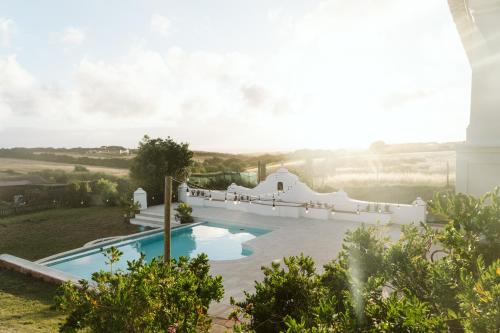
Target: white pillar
(478, 160)
(140, 196)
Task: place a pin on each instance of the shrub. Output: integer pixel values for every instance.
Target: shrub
(184, 213)
(430, 280)
(77, 194)
(292, 292)
(107, 189)
(148, 297)
(80, 168)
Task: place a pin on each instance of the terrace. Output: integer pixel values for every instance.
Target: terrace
(315, 225)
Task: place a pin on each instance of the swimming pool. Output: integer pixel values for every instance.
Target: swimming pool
(218, 241)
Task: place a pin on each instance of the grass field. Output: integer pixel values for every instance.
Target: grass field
(25, 166)
(38, 235)
(26, 303)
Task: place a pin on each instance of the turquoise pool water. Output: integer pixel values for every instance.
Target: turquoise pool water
(219, 242)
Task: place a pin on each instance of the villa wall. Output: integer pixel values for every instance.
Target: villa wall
(296, 196)
(405, 214)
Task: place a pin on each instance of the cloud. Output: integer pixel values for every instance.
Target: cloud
(72, 36)
(160, 24)
(17, 87)
(143, 88)
(254, 95)
(328, 76)
(6, 28)
(23, 98)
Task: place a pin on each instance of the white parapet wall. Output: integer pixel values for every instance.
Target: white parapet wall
(283, 195)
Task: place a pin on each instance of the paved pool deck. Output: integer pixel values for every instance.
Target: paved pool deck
(320, 239)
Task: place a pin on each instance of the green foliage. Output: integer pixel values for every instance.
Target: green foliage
(157, 158)
(430, 280)
(473, 229)
(107, 189)
(284, 292)
(77, 194)
(480, 298)
(80, 168)
(183, 213)
(148, 297)
(130, 208)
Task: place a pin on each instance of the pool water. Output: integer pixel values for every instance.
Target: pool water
(219, 242)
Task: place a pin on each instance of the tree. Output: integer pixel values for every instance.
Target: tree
(107, 189)
(378, 146)
(157, 158)
(77, 194)
(148, 297)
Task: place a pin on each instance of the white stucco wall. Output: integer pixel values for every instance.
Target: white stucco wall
(296, 196)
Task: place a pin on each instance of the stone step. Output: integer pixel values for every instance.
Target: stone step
(150, 220)
(151, 214)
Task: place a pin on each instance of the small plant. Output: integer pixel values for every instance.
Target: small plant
(112, 255)
(130, 209)
(184, 213)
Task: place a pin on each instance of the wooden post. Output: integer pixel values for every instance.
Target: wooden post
(166, 226)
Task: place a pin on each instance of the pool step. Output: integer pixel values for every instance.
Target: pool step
(151, 214)
(151, 220)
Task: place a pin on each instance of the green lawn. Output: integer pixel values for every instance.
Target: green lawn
(26, 303)
(38, 235)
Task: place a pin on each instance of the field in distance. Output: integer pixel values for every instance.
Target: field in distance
(24, 166)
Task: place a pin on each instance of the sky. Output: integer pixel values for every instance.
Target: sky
(232, 75)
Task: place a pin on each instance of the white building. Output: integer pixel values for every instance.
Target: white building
(283, 194)
(478, 160)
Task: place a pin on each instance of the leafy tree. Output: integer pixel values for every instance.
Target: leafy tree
(107, 189)
(157, 158)
(293, 292)
(77, 194)
(148, 297)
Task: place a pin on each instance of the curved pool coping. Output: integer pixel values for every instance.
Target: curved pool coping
(119, 239)
(111, 241)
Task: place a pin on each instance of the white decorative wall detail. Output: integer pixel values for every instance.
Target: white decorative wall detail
(298, 200)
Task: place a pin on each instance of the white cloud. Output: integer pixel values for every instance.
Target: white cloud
(6, 28)
(72, 36)
(160, 24)
(342, 74)
(143, 89)
(24, 101)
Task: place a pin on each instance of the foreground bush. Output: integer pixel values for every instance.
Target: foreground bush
(149, 297)
(431, 280)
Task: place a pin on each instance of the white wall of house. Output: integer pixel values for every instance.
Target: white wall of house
(294, 199)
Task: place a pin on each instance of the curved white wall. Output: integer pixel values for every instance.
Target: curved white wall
(298, 200)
